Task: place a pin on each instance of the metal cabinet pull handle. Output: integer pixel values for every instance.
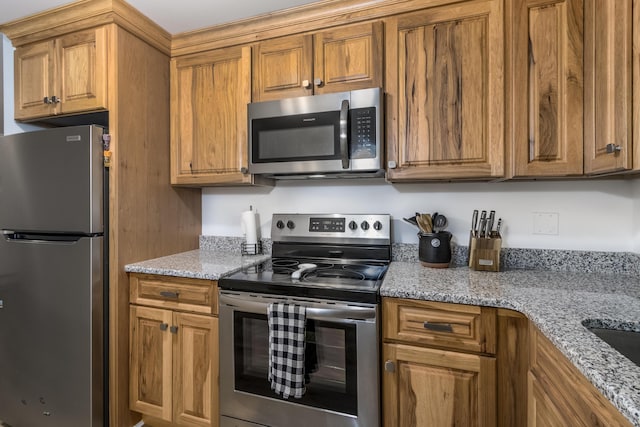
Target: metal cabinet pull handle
(46, 100)
(55, 100)
(163, 326)
(173, 329)
(438, 327)
(389, 366)
(168, 294)
(306, 84)
(613, 148)
(318, 82)
(344, 147)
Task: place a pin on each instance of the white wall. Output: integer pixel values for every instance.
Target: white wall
(592, 215)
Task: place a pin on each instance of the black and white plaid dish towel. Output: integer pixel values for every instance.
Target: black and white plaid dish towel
(286, 349)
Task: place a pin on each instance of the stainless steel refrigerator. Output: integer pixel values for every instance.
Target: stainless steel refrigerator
(52, 278)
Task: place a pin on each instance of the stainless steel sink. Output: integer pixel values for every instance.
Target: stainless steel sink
(625, 342)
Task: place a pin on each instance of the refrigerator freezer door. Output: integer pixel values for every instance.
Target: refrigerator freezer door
(51, 339)
(52, 180)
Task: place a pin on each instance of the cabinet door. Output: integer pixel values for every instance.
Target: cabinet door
(150, 376)
(34, 70)
(543, 411)
(429, 387)
(209, 97)
(348, 58)
(547, 88)
(196, 370)
(282, 68)
(445, 92)
(608, 86)
(82, 71)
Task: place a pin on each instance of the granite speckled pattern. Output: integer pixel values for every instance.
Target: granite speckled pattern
(557, 302)
(209, 264)
(540, 259)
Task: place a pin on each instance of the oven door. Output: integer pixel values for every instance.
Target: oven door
(341, 361)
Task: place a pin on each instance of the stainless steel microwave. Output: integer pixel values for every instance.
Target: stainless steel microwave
(332, 135)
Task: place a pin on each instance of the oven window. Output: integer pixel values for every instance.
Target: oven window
(297, 137)
(330, 362)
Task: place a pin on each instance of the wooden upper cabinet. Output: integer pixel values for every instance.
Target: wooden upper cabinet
(547, 88)
(608, 86)
(445, 96)
(209, 97)
(62, 76)
(341, 59)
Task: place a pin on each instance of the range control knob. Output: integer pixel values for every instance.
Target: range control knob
(280, 224)
(377, 226)
(353, 225)
(290, 225)
(364, 225)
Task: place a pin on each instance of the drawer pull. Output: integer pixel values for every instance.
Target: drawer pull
(163, 326)
(168, 294)
(438, 327)
(173, 329)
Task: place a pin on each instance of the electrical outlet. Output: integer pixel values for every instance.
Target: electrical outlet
(546, 223)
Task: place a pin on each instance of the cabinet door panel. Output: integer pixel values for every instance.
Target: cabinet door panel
(438, 387)
(547, 88)
(348, 58)
(209, 98)
(196, 370)
(151, 362)
(608, 74)
(34, 72)
(280, 66)
(82, 70)
(446, 102)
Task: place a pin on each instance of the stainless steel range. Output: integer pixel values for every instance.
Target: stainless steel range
(333, 266)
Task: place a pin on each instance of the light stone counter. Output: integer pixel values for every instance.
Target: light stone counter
(556, 302)
(198, 264)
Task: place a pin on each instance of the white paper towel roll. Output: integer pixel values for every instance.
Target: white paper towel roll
(249, 228)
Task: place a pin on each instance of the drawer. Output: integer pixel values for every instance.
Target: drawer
(177, 293)
(446, 325)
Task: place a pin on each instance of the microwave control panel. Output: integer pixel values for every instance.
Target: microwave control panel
(363, 133)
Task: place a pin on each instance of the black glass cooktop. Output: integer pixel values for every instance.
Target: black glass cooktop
(309, 277)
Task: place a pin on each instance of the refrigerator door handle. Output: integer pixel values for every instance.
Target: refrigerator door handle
(59, 239)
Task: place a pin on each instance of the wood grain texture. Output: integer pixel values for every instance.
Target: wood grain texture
(472, 328)
(546, 82)
(151, 362)
(82, 15)
(148, 218)
(560, 395)
(445, 92)
(35, 76)
(512, 365)
(209, 96)
(280, 66)
(437, 387)
(195, 376)
(194, 295)
(349, 57)
(636, 86)
(608, 85)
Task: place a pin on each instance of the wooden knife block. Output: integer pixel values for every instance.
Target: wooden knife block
(484, 253)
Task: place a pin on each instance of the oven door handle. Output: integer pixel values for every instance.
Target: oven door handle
(315, 313)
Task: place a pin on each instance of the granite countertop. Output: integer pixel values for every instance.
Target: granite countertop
(209, 264)
(557, 303)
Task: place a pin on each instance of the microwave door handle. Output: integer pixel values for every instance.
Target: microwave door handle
(344, 146)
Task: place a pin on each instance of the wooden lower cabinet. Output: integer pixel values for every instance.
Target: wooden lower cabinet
(439, 364)
(174, 353)
(432, 387)
(559, 395)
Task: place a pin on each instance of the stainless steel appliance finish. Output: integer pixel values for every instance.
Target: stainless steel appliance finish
(352, 402)
(321, 136)
(333, 265)
(52, 278)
